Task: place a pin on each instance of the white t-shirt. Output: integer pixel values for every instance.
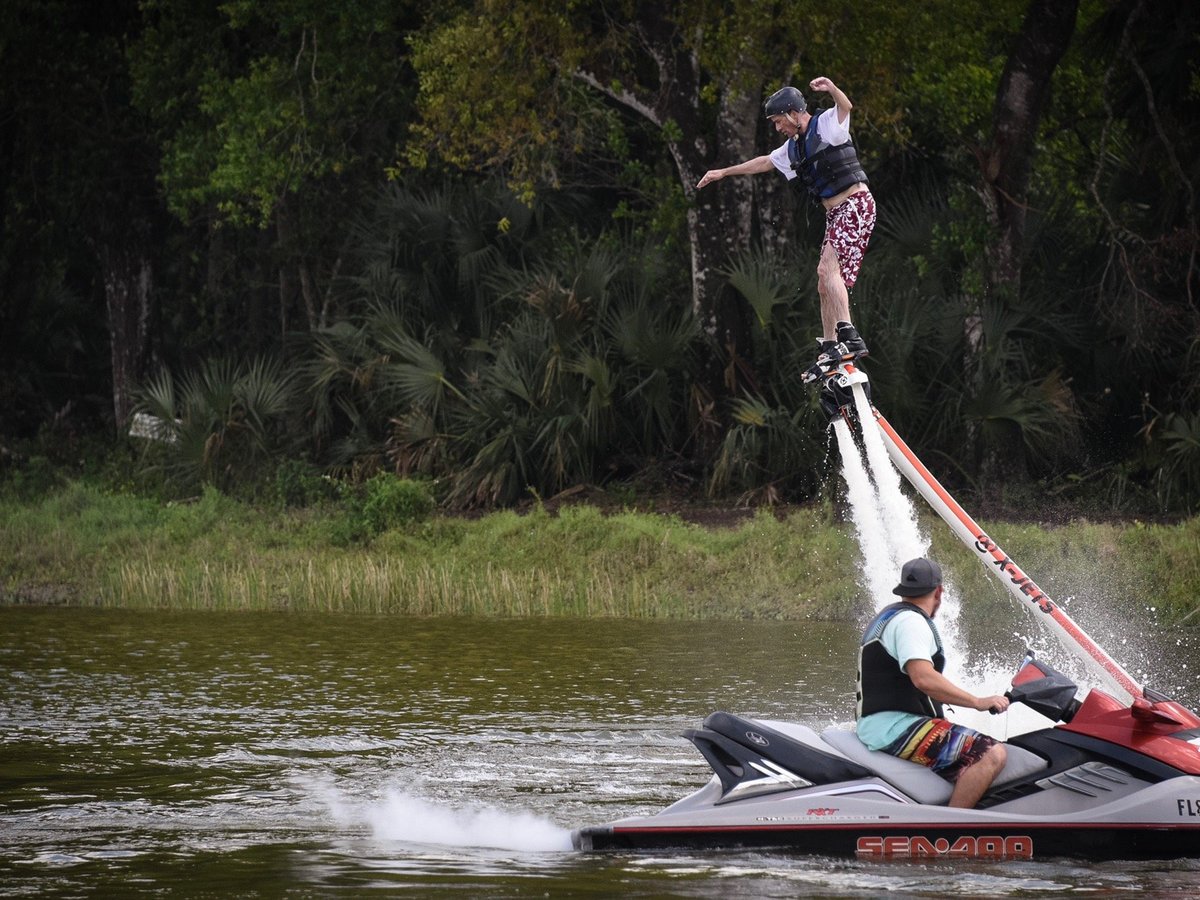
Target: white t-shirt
(830, 130)
(907, 636)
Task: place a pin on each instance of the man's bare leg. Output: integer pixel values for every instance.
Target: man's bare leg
(975, 780)
(835, 299)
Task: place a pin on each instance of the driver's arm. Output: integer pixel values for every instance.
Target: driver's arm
(930, 681)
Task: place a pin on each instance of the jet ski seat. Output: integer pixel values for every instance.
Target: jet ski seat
(916, 780)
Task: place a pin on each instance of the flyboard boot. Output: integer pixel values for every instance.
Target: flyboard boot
(837, 393)
(848, 335)
(848, 347)
(835, 372)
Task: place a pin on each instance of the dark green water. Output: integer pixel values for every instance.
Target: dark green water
(281, 755)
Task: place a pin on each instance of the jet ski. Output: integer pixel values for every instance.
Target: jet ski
(1111, 780)
(1118, 776)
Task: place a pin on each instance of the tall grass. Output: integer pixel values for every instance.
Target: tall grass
(84, 546)
(382, 586)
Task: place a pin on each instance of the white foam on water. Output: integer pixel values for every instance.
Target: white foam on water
(405, 818)
(402, 817)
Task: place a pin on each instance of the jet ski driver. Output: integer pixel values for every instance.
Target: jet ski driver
(901, 690)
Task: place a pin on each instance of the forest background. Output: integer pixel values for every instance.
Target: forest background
(461, 243)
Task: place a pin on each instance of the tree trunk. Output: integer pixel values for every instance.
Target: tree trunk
(291, 253)
(1007, 160)
(720, 222)
(128, 285)
(1005, 165)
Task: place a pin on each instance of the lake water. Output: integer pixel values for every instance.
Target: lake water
(266, 755)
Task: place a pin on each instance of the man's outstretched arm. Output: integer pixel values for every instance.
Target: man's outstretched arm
(749, 167)
(821, 83)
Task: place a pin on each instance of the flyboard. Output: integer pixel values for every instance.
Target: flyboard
(844, 391)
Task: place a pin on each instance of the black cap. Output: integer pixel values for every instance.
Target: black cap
(918, 577)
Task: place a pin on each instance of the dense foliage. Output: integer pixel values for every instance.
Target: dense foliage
(463, 243)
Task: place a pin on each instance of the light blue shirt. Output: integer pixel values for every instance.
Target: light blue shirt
(907, 636)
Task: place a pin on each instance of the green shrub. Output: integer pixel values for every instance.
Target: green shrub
(381, 503)
(296, 484)
(391, 502)
(31, 477)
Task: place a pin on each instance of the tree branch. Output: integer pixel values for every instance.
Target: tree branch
(623, 96)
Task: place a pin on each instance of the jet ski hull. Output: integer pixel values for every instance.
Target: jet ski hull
(910, 841)
(1160, 821)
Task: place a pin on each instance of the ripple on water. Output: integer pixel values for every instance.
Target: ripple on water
(330, 756)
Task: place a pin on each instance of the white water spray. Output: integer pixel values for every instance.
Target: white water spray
(407, 819)
(899, 516)
(865, 514)
(885, 522)
(401, 817)
(888, 532)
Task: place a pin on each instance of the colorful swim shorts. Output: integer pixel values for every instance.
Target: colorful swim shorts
(848, 228)
(946, 748)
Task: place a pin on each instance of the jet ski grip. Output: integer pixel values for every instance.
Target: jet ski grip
(1044, 690)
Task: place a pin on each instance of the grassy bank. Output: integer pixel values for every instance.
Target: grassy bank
(82, 545)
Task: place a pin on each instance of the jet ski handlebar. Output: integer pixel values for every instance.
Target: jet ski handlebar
(1044, 690)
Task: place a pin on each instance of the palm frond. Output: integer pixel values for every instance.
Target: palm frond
(764, 285)
(1041, 415)
(157, 397)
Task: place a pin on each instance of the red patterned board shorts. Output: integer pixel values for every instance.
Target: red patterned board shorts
(946, 748)
(848, 227)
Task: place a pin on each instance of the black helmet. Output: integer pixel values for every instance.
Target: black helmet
(783, 100)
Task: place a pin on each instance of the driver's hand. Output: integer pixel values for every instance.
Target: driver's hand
(995, 704)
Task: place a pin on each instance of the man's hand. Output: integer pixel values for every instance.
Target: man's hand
(995, 704)
(749, 167)
(933, 683)
(821, 83)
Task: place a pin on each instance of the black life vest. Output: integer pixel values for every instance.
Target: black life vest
(825, 169)
(882, 685)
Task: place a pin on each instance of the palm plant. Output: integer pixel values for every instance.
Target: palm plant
(339, 372)
(959, 371)
(653, 347)
(419, 289)
(594, 371)
(772, 445)
(1177, 477)
(433, 253)
(768, 452)
(493, 359)
(221, 420)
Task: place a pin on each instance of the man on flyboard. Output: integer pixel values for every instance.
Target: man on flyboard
(820, 152)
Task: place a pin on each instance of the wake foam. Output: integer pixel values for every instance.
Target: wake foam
(408, 819)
